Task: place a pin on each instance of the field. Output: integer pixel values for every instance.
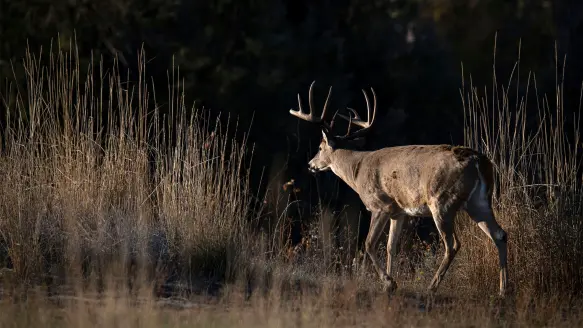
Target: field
(111, 214)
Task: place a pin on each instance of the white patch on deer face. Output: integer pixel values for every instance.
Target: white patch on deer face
(320, 162)
(422, 210)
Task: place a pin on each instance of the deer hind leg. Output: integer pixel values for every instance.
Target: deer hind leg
(394, 233)
(444, 221)
(377, 224)
(481, 212)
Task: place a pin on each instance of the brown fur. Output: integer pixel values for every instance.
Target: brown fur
(409, 175)
(486, 167)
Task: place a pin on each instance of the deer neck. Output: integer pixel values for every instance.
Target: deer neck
(346, 165)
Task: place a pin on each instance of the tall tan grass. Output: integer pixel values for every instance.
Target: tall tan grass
(103, 192)
(92, 173)
(535, 143)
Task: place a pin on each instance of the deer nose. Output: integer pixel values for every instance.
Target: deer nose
(311, 167)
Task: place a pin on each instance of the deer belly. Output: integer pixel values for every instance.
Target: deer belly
(422, 210)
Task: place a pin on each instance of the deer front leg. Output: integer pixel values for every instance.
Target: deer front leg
(377, 224)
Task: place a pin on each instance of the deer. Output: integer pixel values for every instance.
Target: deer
(403, 182)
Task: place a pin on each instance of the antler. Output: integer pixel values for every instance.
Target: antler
(356, 120)
(309, 116)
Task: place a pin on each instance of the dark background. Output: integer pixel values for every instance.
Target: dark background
(250, 59)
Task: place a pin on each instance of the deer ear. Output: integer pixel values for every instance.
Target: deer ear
(324, 137)
(329, 142)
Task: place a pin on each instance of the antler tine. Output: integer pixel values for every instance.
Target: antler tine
(309, 116)
(300, 109)
(333, 120)
(311, 97)
(326, 104)
(369, 117)
(300, 112)
(348, 118)
(356, 116)
(367, 106)
(350, 123)
(374, 110)
(356, 120)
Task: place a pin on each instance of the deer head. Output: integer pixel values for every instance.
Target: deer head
(330, 142)
(323, 159)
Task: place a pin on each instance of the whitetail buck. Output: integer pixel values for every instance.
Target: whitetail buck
(397, 183)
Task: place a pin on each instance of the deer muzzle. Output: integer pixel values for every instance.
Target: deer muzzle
(312, 168)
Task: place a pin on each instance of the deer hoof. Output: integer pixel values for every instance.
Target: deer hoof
(389, 285)
(503, 294)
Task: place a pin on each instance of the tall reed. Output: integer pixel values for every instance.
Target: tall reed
(534, 142)
(96, 171)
